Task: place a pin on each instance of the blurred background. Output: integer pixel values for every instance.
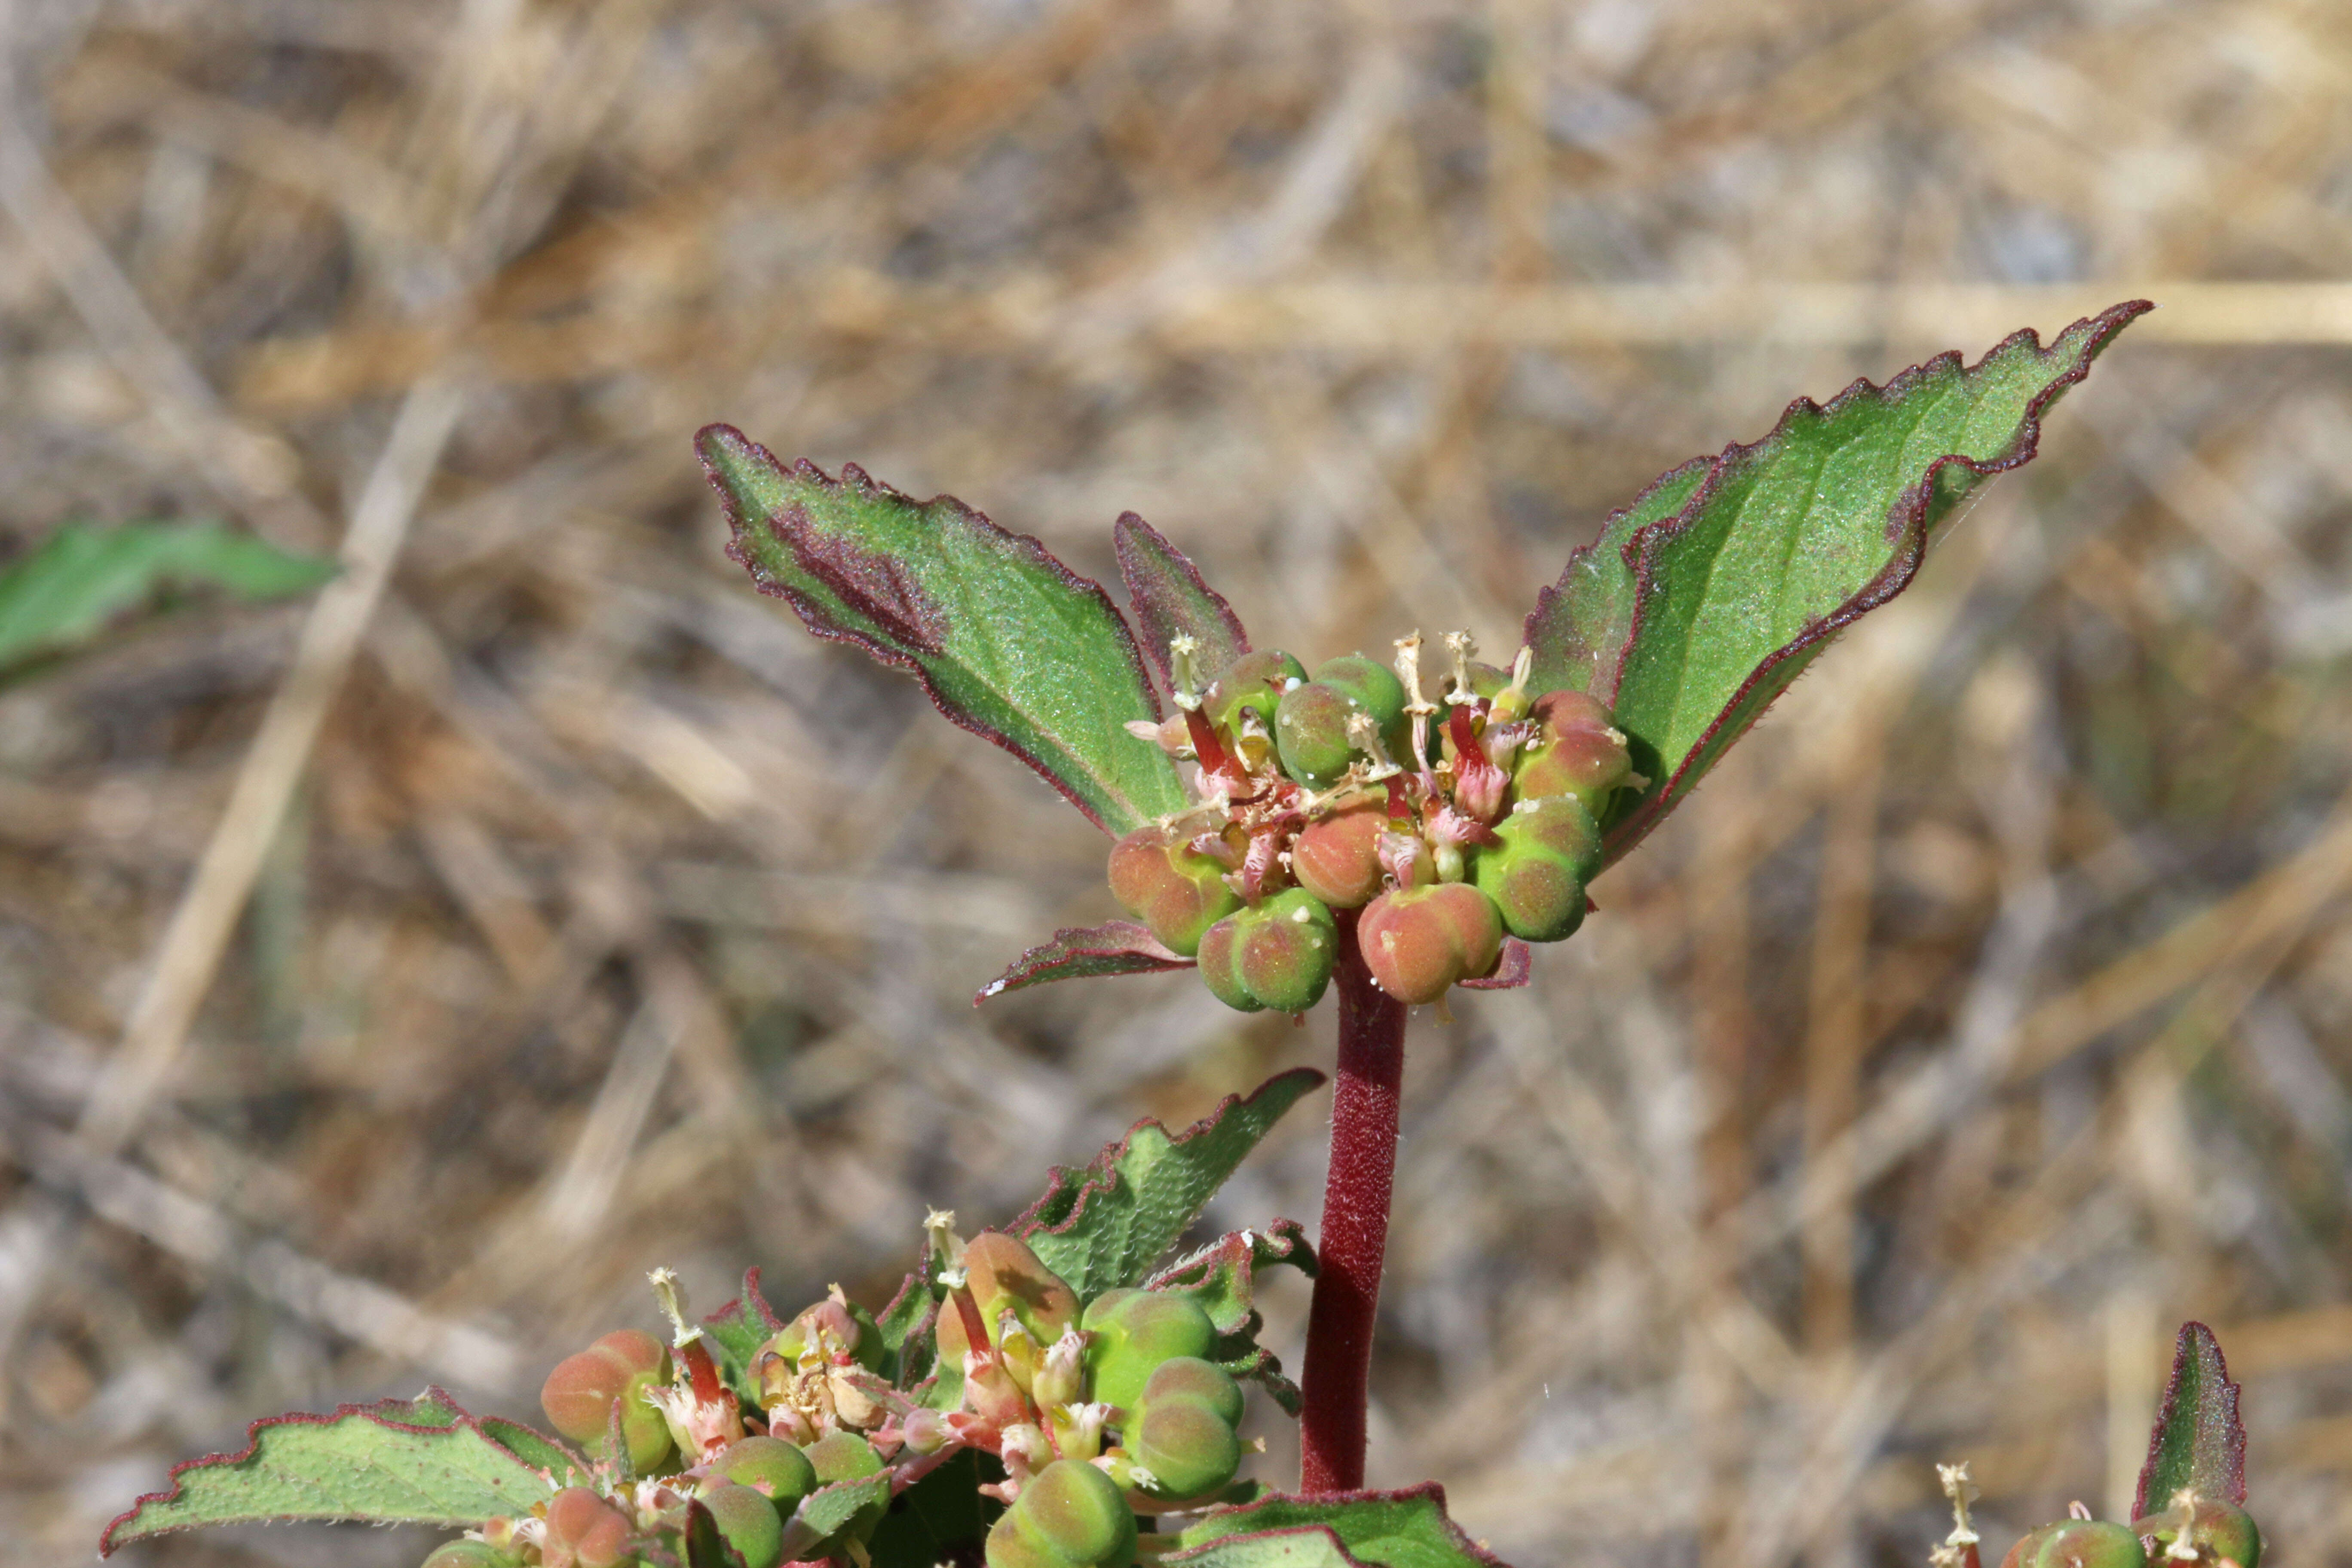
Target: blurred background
(389, 976)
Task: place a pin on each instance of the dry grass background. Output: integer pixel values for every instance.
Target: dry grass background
(1991, 1012)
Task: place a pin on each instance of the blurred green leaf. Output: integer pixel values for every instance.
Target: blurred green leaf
(1707, 597)
(1007, 641)
(943, 1517)
(421, 1461)
(65, 592)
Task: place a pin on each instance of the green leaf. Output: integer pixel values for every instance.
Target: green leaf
(1171, 600)
(736, 1332)
(2198, 1441)
(1103, 1226)
(1704, 601)
(906, 1326)
(1223, 1278)
(1349, 1530)
(943, 1517)
(65, 592)
(830, 1509)
(1578, 626)
(538, 1450)
(396, 1462)
(1087, 953)
(1007, 641)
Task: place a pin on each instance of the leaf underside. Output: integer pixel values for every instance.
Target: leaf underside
(64, 593)
(2198, 1441)
(1515, 969)
(1702, 602)
(1172, 599)
(1087, 953)
(1351, 1529)
(396, 1462)
(1006, 641)
(1103, 1226)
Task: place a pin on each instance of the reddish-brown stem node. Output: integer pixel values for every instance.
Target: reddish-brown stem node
(1355, 1233)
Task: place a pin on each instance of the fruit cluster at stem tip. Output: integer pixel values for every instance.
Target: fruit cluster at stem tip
(1095, 1411)
(2191, 1531)
(1448, 824)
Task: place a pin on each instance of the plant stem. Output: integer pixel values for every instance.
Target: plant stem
(1354, 1238)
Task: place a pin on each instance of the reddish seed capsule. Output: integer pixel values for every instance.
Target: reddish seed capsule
(1338, 858)
(1417, 942)
(584, 1531)
(579, 1394)
(1003, 1273)
(1161, 881)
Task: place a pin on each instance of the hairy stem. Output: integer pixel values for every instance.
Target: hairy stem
(1355, 1234)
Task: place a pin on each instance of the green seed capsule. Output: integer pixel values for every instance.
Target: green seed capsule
(841, 1456)
(1133, 1333)
(1182, 1431)
(1278, 955)
(768, 1466)
(748, 1522)
(1255, 683)
(1160, 878)
(1310, 732)
(1372, 686)
(466, 1554)
(2078, 1543)
(2216, 1529)
(1575, 752)
(1536, 876)
(1068, 1515)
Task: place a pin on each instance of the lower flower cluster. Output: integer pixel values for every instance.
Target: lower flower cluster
(1450, 824)
(1093, 1411)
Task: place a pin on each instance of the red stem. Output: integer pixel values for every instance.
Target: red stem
(1355, 1234)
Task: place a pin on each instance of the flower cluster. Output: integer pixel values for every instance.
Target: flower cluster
(1094, 1412)
(1448, 824)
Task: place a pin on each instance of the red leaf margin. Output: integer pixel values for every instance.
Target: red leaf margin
(1433, 1491)
(1144, 554)
(1907, 526)
(2195, 1339)
(821, 624)
(1087, 953)
(1101, 1172)
(372, 1412)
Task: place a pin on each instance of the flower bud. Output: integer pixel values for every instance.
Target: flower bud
(1338, 858)
(1001, 1274)
(1133, 1333)
(1417, 942)
(1160, 878)
(1061, 1379)
(584, 1531)
(768, 1466)
(579, 1394)
(1182, 1431)
(1278, 955)
(925, 1431)
(1536, 875)
(2215, 1530)
(1575, 750)
(1069, 1515)
(2077, 1543)
(1256, 682)
(748, 1522)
